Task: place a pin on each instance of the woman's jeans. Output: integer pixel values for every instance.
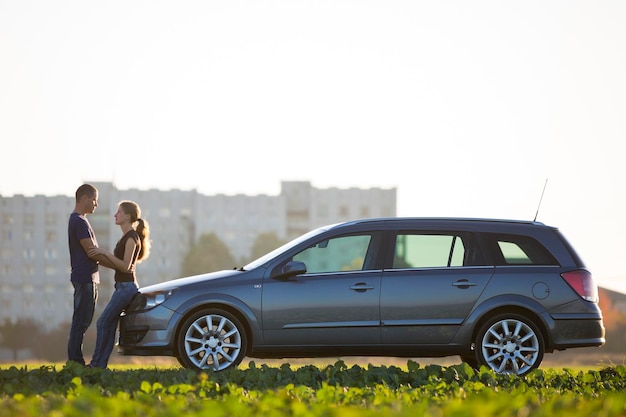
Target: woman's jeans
(85, 296)
(107, 323)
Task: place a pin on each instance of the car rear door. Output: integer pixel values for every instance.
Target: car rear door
(336, 302)
(434, 280)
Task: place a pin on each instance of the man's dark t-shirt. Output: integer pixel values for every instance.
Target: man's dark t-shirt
(84, 269)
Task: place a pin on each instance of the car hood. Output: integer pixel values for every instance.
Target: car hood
(180, 282)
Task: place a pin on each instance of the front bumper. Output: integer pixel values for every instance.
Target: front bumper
(148, 333)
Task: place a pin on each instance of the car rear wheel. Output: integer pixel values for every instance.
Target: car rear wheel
(510, 344)
(211, 339)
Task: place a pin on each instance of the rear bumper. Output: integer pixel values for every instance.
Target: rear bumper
(572, 331)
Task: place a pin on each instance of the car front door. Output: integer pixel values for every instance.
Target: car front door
(335, 303)
(434, 281)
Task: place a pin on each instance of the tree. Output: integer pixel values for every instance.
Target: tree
(207, 255)
(614, 319)
(611, 315)
(55, 347)
(22, 334)
(265, 243)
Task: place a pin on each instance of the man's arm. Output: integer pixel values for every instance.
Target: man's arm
(88, 244)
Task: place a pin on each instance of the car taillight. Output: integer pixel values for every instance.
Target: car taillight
(582, 282)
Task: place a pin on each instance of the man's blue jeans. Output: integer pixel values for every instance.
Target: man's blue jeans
(107, 323)
(85, 297)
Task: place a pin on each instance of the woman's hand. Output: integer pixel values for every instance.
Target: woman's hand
(95, 251)
(103, 257)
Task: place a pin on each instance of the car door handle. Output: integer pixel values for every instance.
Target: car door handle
(361, 287)
(463, 283)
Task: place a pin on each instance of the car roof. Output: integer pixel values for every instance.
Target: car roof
(442, 220)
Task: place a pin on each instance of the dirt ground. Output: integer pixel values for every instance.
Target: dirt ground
(582, 357)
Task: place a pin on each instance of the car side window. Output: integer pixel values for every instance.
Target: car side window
(339, 254)
(519, 250)
(428, 250)
(513, 254)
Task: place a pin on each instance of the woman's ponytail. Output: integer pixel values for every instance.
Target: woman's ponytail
(143, 230)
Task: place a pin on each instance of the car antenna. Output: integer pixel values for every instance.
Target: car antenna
(540, 199)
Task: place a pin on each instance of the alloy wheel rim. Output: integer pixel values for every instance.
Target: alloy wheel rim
(510, 347)
(212, 342)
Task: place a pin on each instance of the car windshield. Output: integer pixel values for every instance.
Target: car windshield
(265, 258)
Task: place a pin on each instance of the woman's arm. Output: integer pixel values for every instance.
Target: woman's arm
(90, 246)
(111, 261)
(104, 260)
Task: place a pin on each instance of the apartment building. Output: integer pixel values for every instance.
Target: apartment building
(34, 258)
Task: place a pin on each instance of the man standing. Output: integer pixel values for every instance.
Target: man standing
(84, 276)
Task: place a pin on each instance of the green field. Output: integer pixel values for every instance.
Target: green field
(310, 390)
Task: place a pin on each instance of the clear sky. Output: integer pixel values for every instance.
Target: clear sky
(467, 107)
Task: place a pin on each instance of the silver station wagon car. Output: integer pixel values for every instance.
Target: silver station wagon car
(498, 293)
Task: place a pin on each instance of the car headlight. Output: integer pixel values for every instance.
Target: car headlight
(146, 301)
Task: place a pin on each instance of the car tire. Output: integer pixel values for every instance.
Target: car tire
(211, 339)
(470, 359)
(510, 344)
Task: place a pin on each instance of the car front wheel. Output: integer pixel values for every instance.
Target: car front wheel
(510, 344)
(211, 339)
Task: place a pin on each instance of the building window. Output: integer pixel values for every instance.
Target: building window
(7, 253)
(29, 219)
(51, 236)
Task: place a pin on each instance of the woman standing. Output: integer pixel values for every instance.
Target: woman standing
(132, 248)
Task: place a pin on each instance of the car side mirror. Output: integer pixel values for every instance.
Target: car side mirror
(291, 269)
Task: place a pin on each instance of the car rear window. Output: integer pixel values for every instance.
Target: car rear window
(509, 249)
